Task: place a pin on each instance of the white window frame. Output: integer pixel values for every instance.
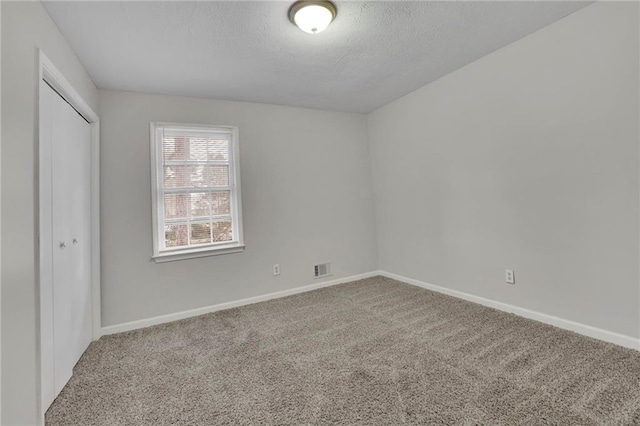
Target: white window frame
(157, 199)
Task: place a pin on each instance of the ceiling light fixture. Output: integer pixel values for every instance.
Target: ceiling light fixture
(312, 16)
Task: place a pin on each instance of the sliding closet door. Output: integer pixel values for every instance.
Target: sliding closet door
(71, 240)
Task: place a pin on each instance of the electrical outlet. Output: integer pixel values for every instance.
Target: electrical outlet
(276, 269)
(509, 276)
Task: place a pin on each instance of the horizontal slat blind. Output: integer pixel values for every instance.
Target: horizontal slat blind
(195, 187)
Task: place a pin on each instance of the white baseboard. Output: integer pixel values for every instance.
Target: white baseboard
(587, 330)
(134, 325)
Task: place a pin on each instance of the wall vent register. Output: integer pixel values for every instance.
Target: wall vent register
(195, 191)
(322, 270)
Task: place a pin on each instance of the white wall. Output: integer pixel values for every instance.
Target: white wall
(306, 196)
(25, 26)
(525, 159)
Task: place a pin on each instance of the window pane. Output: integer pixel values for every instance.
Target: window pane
(175, 235)
(218, 150)
(196, 176)
(206, 176)
(198, 149)
(200, 233)
(176, 176)
(205, 204)
(174, 148)
(200, 204)
(175, 206)
(220, 202)
(216, 175)
(222, 231)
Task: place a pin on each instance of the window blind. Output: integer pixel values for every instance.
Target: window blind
(195, 188)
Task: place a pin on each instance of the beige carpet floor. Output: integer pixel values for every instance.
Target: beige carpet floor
(371, 352)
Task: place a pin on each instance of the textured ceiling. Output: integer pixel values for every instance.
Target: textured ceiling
(373, 53)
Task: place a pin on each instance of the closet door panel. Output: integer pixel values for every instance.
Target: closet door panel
(63, 280)
(81, 233)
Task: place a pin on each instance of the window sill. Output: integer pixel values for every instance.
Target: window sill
(195, 253)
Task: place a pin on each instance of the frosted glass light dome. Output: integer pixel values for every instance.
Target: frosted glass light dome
(312, 16)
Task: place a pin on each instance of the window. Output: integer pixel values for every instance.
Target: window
(195, 191)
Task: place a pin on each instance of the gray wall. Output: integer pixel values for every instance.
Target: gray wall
(306, 195)
(25, 26)
(525, 159)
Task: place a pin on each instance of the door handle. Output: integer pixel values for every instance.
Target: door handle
(75, 241)
(62, 245)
